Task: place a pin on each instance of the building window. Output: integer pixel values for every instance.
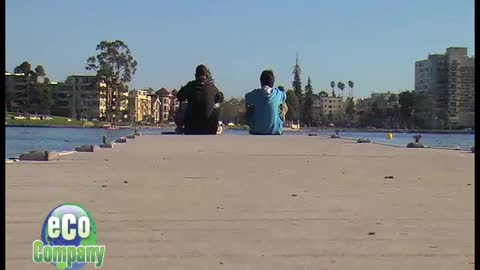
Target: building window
(330, 106)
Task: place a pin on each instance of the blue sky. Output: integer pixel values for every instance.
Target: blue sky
(371, 42)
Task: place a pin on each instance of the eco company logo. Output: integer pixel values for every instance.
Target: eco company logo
(68, 239)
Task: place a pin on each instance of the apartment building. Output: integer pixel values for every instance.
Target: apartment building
(139, 105)
(17, 89)
(449, 79)
(168, 104)
(331, 107)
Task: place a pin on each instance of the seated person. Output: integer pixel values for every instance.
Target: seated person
(180, 113)
(200, 114)
(266, 107)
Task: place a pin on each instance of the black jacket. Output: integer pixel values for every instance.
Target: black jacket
(201, 116)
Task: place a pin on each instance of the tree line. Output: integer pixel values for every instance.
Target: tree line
(115, 66)
(408, 109)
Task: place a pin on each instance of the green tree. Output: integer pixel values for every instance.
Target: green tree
(40, 70)
(35, 98)
(332, 84)
(293, 106)
(323, 94)
(114, 65)
(349, 109)
(350, 84)
(228, 109)
(308, 103)
(406, 101)
(378, 114)
(39, 98)
(297, 87)
(24, 68)
(341, 86)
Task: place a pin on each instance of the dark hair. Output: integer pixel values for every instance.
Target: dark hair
(202, 72)
(267, 78)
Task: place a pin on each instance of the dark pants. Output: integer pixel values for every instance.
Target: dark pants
(181, 117)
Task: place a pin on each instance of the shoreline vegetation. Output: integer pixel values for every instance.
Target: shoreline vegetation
(64, 122)
(88, 124)
(37, 124)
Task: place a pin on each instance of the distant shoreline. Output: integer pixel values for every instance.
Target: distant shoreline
(60, 126)
(425, 131)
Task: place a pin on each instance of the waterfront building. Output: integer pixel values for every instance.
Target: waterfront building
(328, 108)
(155, 108)
(139, 105)
(17, 89)
(80, 96)
(169, 104)
(449, 80)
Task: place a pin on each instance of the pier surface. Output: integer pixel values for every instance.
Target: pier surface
(254, 202)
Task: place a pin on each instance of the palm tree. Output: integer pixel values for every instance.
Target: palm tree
(341, 85)
(350, 84)
(332, 84)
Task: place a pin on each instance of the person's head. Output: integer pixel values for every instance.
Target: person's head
(202, 73)
(267, 78)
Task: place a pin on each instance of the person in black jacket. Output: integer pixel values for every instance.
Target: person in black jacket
(201, 115)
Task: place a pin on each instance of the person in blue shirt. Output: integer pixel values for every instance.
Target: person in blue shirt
(266, 107)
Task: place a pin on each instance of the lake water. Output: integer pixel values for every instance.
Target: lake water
(23, 139)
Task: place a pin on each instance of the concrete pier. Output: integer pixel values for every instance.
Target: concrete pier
(255, 202)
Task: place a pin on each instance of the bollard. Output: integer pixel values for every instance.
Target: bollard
(121, 140)
(417, 143)
(85, 148)
(363, 140)
(106, 145)
(38, 156)
(336, 135)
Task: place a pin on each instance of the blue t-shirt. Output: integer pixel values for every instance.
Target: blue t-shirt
(266, 116)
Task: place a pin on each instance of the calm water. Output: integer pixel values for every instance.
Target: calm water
(22, 139)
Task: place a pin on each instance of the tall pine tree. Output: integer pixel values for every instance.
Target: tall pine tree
(297, 87)
(292, 103)
(308, 104)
